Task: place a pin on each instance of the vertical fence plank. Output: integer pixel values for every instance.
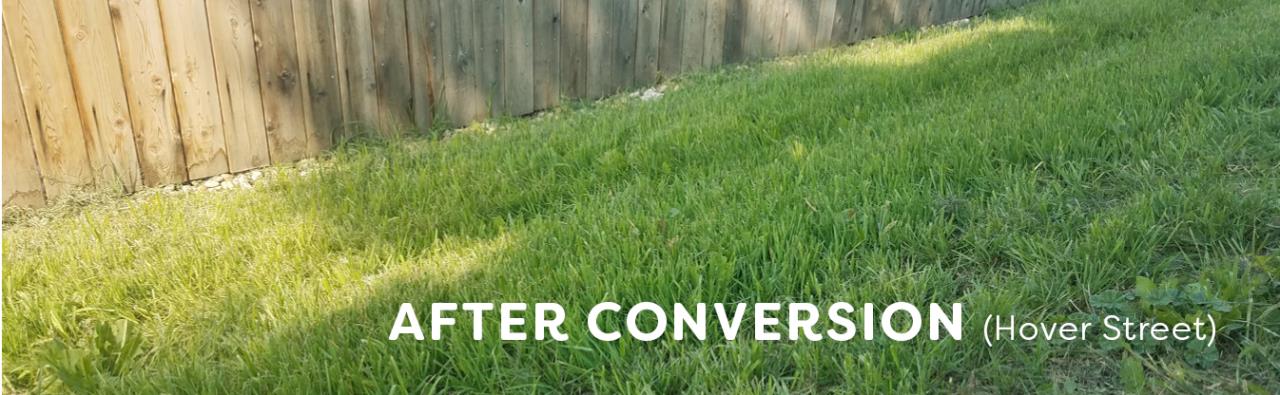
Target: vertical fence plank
(734, 25)
(357, 74)
(628, 15)
(573, 48)
(236, 61)
(21, 172)
(488, 30)
(671, 48)
(391, 54)
(546, 53)
(424, 41)
(847, 27)
(693, 35)
(517, 64)
(648, 38)
(318, 64)
(95, 74)
(48, 96)
(278, 73)
(462, 94)
(140, 41)
(602, 41)
(186, 32)
(713, 40)
(826, 24)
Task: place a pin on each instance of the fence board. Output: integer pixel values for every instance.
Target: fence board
(195, 88)
(279, 76)
(734, 31)
(236, 61)
(95, 75)
(318, 64)
(671, 46)
(713, 39)
(847, 26)
(391, 54)
(648, 38)
(627, 17)
(546, 53)
(488, 30)
(21, 172)
(48, 96)
(147, 86)
(826, 15)
(694, 35)
(424, 63)
(357, 75)
(462, 94)
(573, 48)
(517, 64)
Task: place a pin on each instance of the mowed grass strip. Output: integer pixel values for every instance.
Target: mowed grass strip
(1024, 163)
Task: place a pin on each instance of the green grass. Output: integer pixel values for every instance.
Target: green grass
(1026, 163)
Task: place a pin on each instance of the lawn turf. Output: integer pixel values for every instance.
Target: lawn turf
(1023, 163)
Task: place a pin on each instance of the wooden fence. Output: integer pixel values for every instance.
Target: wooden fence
(150, 92)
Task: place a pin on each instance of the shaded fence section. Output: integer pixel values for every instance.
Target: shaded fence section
(147, 92)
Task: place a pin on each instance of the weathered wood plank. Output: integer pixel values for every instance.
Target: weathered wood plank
(488, 30)
(22, 185)
(48, 95)
(279, 77)
(546, 53)
(602, 42)
(391, 54)
(319, 66)
(186, 32)
(826, 14)
(847, 26)
(149, 89)
(462, 95)
(104, 109)
(424, 62)
(573, 48)
(671, 47)
(648, 39)
(518, 56)
(357, 75)
(240, 97)
(628, 15)
(693, 35)
(734, 31)
(713, 40)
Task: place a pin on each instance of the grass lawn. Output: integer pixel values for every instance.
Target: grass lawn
(1061, 161)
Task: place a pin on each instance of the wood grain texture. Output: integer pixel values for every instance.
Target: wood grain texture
(22, 185)
(693, 33)
(104, 110)
(186, 31)
(713, 37)
(826, 14)
(149, 89)
(462, 95)
(624, 65)
(424, 63)
(546, 53)
(573, 48)
(488, 30)
(279, 78)
(319, 66)
(48, 97)
(517, 64)
(671, 46)
(733, 50)
(847, 26)
(391, 54)
(648, 39)
(239, 93)
(357, 73)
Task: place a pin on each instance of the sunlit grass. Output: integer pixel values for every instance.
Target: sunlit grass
(1019, 164)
